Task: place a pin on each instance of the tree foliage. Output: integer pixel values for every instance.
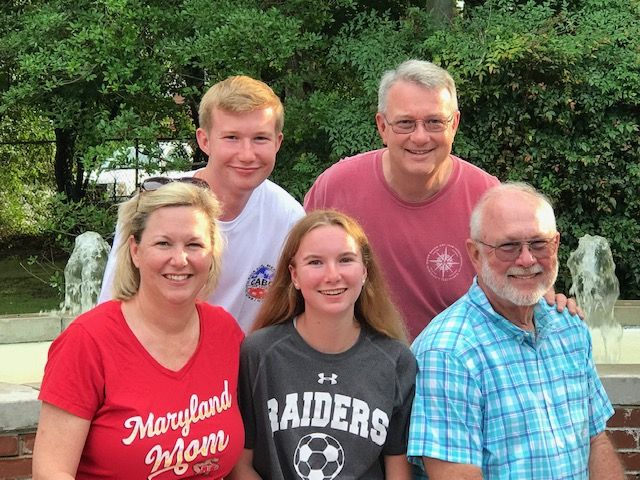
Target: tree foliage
(549, 91)
(25, 178)
(132, 69)
(548, 95)
(92, 69)
(558, 95)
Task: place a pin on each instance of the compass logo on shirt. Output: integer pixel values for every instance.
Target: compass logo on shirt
(444, 262)
(258, 282)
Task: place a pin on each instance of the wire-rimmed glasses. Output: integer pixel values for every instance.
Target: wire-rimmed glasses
(540, 248)
(409, 125)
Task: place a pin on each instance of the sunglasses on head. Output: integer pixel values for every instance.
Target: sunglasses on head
(154, 183)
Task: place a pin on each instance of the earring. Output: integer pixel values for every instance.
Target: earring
(364, 279)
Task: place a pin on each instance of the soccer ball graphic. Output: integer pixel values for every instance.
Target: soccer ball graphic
(318, 457)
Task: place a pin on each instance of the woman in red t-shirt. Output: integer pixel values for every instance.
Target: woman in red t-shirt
(144, 386)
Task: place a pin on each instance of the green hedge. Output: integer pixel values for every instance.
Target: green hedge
(554, 99)
(549, 92)
(547, 96)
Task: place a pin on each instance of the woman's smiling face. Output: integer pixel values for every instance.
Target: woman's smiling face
(329, 271)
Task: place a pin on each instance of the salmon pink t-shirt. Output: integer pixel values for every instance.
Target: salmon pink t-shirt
(420, 245)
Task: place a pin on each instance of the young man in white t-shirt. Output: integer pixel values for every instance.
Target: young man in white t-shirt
(241, 121)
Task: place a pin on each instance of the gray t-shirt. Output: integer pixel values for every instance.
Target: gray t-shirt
(311, 415)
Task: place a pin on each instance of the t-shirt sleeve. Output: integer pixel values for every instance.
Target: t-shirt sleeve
(106, 292)
(224, 320)
(316, 196)
(246, 380)
(74, 375)
(396, 443)
(446, 419)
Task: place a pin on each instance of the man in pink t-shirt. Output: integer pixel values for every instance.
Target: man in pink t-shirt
(413, 198)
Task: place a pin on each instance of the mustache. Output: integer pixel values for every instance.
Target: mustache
(526, 271)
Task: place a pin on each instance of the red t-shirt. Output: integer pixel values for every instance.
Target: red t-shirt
(420, 245)
(148, 421)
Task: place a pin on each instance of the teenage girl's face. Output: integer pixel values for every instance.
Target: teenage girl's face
(329, 271)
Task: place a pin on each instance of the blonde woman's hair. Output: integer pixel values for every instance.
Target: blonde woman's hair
(240, 94)
(133, 216)
(373, 307)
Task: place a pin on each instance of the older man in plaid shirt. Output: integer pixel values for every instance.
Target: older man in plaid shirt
(507, 387)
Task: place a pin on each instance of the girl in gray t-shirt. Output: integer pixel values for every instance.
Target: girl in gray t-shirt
(326, 377)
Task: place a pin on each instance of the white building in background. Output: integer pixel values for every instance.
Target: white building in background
(120, 174)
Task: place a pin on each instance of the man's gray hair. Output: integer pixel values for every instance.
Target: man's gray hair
(420, 72)
(475, 225)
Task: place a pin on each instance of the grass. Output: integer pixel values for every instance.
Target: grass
(25, 288)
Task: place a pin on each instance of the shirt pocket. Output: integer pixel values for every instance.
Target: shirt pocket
(576, 422)
(577, 400)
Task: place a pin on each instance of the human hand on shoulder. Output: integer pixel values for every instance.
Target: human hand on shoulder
(561, 302)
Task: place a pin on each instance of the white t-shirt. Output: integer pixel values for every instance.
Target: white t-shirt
(253, 241)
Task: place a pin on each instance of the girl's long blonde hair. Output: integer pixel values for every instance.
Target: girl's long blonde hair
(373, 307)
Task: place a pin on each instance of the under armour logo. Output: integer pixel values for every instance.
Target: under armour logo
(332, 379)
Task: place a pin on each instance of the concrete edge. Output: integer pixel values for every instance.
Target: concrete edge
(19, 406)
(621, 382)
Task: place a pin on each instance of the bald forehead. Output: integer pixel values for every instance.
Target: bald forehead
(510, 211)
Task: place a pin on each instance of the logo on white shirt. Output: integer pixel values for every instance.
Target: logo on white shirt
(258, 282)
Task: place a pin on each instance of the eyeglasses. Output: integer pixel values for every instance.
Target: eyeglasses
(154, 183)
(508, 252)
(429, 124)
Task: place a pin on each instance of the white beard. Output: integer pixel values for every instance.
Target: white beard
(502, 287)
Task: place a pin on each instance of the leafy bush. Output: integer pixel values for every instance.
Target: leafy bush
(552, 98)
(26, 182)
(69, 219)
(548, 95)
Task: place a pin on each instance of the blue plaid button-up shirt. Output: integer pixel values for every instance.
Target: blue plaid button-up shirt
(517, 404)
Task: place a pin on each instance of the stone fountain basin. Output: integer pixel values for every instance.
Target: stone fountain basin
(24, 343)
(627, 312)
(25, 340)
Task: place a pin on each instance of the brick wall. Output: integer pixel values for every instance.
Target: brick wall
(623, 427)
(15, 454)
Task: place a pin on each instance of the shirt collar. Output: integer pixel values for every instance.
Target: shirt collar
(543, 316)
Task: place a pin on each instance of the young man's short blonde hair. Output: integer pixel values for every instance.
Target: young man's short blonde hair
(133, 216)
(240, 94)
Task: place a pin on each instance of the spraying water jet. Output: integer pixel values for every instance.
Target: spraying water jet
(596, 289)
(83, 273)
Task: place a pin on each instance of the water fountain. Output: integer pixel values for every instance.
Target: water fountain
(83, 273)
(25, 339)
(596, 289)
